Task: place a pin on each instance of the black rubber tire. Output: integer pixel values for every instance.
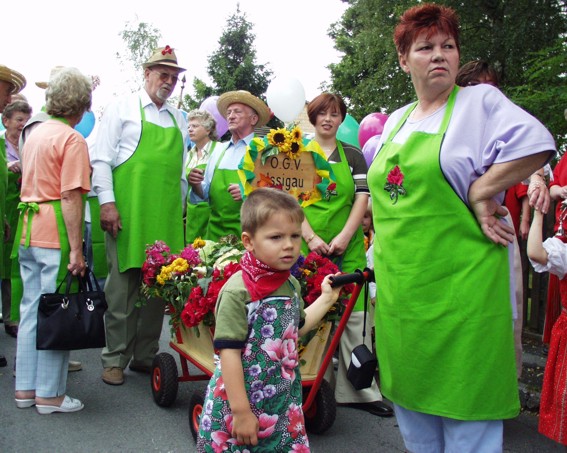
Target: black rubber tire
(195, 410)
(322, 413)
(164, 380)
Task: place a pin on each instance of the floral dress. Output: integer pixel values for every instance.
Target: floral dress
(270, 361)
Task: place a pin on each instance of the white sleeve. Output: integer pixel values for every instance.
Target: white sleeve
(556, 258)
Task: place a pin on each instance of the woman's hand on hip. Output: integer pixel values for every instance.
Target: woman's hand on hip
(489, 214)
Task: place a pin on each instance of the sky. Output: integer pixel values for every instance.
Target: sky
(291, 37)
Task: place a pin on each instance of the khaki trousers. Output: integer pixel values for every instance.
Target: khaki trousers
(131, 332)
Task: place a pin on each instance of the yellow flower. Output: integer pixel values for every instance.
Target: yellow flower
(199, 243)
(295, 134)
(179, 265)
(295, 149)
(278, 137)
(306, 272)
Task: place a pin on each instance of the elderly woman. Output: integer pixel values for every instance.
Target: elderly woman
(333, 228)
(15, 116)
(443, 306)
(56, 175)
(203, 133)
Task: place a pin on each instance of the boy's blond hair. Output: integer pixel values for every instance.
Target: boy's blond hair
(263, 203)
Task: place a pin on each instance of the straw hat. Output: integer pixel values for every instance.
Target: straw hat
(244, 97)
(56, 69)
(17, 80)
(163, 56)
(52, 73)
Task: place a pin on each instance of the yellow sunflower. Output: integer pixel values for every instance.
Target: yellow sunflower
(295, 149)
(278, 137)
(295, 134)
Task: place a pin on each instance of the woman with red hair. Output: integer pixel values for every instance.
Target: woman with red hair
(443, 305)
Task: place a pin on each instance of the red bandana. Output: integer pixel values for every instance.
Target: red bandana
(259, 278)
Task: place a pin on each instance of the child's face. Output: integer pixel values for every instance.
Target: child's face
(277, 243)
(367, 222)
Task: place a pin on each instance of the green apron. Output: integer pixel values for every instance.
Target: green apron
(197, 218)
(12, 266)
(225, 212)
(148, 194)
(29, 209)
(3, 195)
(443, 314)
(327, 218)
(100, 265)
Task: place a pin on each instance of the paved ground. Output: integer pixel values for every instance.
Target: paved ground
(126, 419)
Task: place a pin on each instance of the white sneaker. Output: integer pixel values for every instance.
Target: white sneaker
(68, 405)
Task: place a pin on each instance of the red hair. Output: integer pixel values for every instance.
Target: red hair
(324, 102)
(429, 18)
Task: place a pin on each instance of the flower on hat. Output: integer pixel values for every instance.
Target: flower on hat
(166, 49)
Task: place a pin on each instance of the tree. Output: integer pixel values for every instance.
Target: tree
(504, 33)
(233, 66)
(140, 40)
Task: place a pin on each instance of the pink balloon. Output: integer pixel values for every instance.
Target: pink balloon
(371, 125)
(210, 105)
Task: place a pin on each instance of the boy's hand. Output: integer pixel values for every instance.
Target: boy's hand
(327, 290)
(245, 428)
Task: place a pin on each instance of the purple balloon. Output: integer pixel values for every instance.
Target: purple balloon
(369, 149)
(210, 105)
(371, 125)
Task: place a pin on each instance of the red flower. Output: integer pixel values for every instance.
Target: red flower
(167, 49)
(394, 184)
(396, 176)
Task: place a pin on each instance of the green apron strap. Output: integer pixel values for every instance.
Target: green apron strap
(24, 207)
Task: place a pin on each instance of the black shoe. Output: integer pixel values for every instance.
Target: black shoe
(11, 330)
(3, 361)
(377, 408)
(138, 368)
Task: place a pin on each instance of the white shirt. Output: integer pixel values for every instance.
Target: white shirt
(118, 136)
(230, 161)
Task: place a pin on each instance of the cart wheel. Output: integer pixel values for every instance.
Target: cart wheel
(164, 379)
(195, 411)
(321, 415)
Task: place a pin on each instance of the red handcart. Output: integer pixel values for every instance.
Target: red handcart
(319, 405)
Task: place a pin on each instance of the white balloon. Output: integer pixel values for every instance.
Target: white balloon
(286, 98)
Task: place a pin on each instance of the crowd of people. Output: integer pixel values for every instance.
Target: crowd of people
(428, 215)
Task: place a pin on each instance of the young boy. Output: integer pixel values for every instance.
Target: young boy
(255, 395)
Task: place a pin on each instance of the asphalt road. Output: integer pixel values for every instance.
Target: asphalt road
(126, 419)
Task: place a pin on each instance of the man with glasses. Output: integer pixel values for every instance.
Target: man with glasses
(218, 184)
(139, 178)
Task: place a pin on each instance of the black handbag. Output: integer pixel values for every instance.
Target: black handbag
(68, 321)
(363, 362)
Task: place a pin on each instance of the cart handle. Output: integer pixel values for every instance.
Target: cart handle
(358, 277)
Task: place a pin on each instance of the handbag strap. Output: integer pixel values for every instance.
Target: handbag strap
(365, 309)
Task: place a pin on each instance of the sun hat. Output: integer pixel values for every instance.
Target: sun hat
(17, 80)
(52, 73)
(56, 69)
(163, 56)
(246, 98)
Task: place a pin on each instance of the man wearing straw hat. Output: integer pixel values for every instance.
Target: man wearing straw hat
(11, 82)
(138, 176)
(218, 184)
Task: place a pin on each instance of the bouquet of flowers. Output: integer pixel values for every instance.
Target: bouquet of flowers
(191, 280)
(310, 272)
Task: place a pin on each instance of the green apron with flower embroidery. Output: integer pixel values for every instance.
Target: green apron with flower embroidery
(327, 218)
(443, 314)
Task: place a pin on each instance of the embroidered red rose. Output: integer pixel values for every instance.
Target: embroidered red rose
(394, 184)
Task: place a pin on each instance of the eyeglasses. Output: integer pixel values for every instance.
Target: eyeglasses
(166, 76)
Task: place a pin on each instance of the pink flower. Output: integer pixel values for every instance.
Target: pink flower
(191, 255)
(396, 176)
(267, 425)
(296, 421)
(300, 448)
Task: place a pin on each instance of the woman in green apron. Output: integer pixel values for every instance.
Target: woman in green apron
(56, 176)
(443, 306)
(14, 118)
(333, 228)
(202, 132)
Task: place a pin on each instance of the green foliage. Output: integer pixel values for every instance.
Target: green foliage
(505, 33)
(233, 66)
(140, 40)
